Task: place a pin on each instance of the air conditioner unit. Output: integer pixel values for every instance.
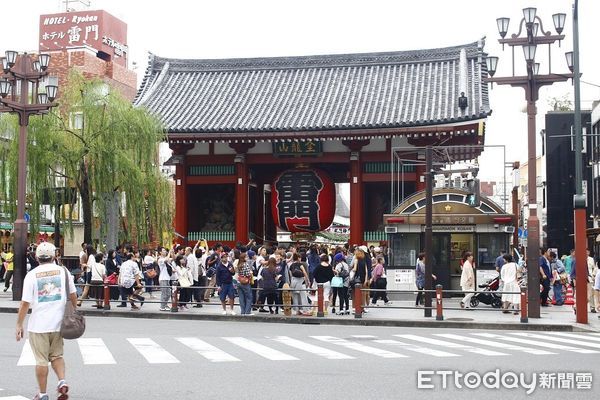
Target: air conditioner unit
(391, 229)
(508, 229)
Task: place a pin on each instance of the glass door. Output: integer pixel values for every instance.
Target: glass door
(441, 259)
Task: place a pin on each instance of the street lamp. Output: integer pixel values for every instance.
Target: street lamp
(531, 33)
(19, 75)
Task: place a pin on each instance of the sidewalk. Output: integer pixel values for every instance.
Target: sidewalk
(482, 317)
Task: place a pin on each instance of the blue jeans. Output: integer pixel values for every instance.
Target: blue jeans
(245, 295)
(558, 293)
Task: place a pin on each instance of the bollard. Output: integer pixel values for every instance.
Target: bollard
(320, 300)
(357, 300)
(439, 316)
(175, 292)
(524, 318)
(106, 297)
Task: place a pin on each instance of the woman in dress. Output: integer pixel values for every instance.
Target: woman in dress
(467, 279)
(323, 274)
(98, 271)
(508, 275)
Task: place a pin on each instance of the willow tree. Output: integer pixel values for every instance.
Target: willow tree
(99, 143)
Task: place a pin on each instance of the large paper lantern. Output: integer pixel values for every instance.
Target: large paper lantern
(303, 200)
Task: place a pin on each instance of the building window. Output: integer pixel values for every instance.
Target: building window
(405, 248)
(490, 245)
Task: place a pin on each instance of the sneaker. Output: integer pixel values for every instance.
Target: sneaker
(134, 307)
(231, 312)
(389, 303)
(262, 310)
(38, 397)
(165, 309)
(122, 305)
(333, 310)
(62, 388)
(223, 312)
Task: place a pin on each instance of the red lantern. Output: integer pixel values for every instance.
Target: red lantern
(303, 200)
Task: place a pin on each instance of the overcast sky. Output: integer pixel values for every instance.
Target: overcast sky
(256, 28)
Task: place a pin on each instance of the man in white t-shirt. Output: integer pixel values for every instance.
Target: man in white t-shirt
(45, 290)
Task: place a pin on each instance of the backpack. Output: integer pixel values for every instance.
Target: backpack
(211, 270)
(169, 268)
(296, 270)
(345, 271)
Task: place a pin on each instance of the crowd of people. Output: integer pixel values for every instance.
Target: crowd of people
(254, 274)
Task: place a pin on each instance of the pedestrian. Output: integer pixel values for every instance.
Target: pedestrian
(130, 282)
(201, 282)
(379, 282)
(149, 269)
(89, 261)
(508, 275)
(185, 279)
(592, 270)
(467, 279)
(597, 290)
(323, 274)
(224, 280)
(299, 282)
(212, 262)
(500, 260)
(112, 268)
(559, 278)
(7, 259)
(268, 291)
(98, 271)
(420, 279)
(46, 289)
(341, 270)
(545, 276)
(359, 274)
(164, 278)
(245, 278)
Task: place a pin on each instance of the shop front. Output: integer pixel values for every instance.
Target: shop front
(457, 228)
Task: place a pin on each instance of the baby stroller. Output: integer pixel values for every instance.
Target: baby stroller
(489, 294)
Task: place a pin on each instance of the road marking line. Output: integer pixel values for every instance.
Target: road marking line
(27, 357)
(490, 343)
(14, 398)
(261, 350)
(311, 348)
(94, 351)
(206, 350)
(417, 349)
(152, 351)
(574, 336)
(364, 336)
(534, 343)
(452, 345)
(557, 339)
(359, 347)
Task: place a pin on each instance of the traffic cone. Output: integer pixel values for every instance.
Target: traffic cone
(569, 299)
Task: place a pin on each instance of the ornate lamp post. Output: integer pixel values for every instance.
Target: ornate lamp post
(531, 34)
(20, 93)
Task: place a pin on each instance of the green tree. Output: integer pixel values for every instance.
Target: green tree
(97, 142)
(561, 103)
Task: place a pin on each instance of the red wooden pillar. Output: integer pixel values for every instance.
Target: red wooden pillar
(181, 201)
(259, 212)
(241, 199)
(356, 192)
(420, 174)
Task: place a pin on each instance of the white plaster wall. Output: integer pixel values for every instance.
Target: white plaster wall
(375, 145)
(334, 146)
(261, 148)
(223, 148)
(199, 149)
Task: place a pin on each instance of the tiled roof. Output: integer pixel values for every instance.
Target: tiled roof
(317, 93)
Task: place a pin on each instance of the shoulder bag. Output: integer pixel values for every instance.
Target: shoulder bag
(73, 323)
(183, 280)
(337, 282)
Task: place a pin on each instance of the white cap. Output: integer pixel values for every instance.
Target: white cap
(45, 250)
(377, 249)
(364, 249)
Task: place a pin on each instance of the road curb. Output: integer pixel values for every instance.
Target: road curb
(331, 321)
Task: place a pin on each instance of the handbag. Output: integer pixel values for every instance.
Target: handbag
(184, 281)
(243, 280)
(337, 282)
(150, 272)
(73, 323)
(111, 279)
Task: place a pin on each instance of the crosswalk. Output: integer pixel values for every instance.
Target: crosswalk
(175, 350)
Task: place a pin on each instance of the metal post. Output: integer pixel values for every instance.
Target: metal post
(20, 241)
(428, 229)
(524, 318)
(357, 301)
(439, 306)
(320, 300)
(106, 296)
(579, 200)
(57, 227)
(175, 292)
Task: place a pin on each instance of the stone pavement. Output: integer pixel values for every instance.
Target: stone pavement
(399, 313)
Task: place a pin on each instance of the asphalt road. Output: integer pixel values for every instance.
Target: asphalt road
(158, 359)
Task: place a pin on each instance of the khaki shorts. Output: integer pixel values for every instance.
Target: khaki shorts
(46, 347)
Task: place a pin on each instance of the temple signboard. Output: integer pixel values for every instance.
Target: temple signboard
(298, 148)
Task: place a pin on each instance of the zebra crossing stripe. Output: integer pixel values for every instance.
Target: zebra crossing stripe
(206, 350)
(416, 349)
(452, 345)
(575, 336)
(558, 339)
(27, 358)
(359, 347)
(534, 343)
(94, 351)
(14, 398)
(491, 343)
(311, 348)
(261, 350)
(152, 351)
